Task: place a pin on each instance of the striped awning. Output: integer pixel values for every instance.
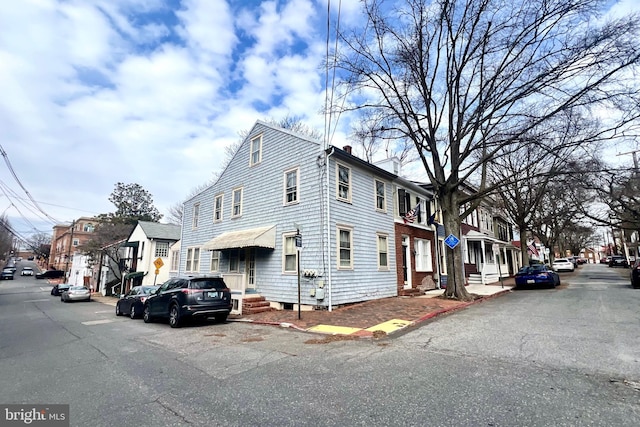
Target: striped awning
(262, 237)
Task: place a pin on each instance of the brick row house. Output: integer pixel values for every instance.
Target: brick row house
(66, 239)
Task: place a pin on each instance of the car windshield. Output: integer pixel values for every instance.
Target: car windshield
(208, 284)
(561, 260)
(27, 268)
(76, 288)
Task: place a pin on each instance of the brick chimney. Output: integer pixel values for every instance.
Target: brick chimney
(347, 148)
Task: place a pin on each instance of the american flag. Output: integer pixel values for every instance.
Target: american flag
(412, 214)
(532, 249)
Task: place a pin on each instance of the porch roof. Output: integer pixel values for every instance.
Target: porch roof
(477, 236)
(261, 237)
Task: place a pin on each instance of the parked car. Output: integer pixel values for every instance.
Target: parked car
(26, 271)
(635, 275)
(189, 297)
(7, 274)
(76, 293)
(537, 275)
(132, 303)
(58, 289)
(31, 258)
(562, 264)
(618, 261)
(604, 260)
(50, 274)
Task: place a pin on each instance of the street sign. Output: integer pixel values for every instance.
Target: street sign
(451, 241)
(158, 263)
(298, 239)
(157, 271)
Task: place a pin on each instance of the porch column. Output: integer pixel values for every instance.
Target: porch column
(482, 262)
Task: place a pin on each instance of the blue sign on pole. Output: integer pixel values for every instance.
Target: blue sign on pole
(451, 241)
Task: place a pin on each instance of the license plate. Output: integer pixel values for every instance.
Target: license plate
(212, 295)
(531, 281)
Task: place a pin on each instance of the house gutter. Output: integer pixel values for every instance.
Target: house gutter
(328, 154)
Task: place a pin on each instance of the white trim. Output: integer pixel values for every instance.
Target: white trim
(340, 228)
(349, 183)
(297, 186)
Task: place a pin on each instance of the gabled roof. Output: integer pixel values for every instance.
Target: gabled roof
(155, 230)
(346, 157)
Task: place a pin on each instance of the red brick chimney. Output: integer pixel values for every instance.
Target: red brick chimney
(347, 148)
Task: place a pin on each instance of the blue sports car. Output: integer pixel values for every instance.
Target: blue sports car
(537, 275)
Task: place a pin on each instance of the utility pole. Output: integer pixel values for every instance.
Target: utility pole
(66, 267)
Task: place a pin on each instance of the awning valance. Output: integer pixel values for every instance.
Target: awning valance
(262, 237)
(134, 274)
(131, 244)
(477, 236)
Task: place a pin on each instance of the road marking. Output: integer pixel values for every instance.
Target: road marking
(37, 300)
(44, 289)
(389, 326)
(97, 322)
(334, 330)
(103, 311)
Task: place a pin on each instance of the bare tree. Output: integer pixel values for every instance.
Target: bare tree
(464, 79)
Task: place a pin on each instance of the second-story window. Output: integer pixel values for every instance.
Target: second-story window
(217, 210)
(236, 209)
(344, 183)
(88, 228)
(291, 187)
(196, 215)
(381, 202)
(162, 249)
(256, 151)
(76, 242)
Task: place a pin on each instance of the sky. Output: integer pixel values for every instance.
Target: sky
(96, 92)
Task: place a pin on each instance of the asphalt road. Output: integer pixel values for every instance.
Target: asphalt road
(563, 357)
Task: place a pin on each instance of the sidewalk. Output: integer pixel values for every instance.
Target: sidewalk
(375, 318)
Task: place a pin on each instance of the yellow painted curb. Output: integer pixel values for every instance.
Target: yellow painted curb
(335, 330)
(389, 326)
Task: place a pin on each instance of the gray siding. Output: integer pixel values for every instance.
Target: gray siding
(263, 204)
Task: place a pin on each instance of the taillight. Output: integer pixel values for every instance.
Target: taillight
(189, 291)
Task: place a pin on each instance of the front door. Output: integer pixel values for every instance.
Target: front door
(250, 268)
(406, 262)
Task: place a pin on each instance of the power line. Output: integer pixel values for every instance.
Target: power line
(15, 176)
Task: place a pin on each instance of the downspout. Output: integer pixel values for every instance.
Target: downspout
(328, 216)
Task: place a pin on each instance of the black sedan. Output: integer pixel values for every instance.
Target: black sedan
(635, 274)
(58, 289)
(131, 303)
(50, 274)
(7, 274)
(537, 275)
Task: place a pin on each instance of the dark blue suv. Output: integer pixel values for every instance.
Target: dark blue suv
(189, 297)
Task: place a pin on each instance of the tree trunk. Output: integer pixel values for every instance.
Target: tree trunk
(455, 267)
(524, 251)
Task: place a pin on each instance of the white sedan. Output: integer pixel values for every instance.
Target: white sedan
(76, 293)
(562, 264)
(26, 271)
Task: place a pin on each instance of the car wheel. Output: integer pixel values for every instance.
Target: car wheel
(118, 311)
(174, 316)
(146, 315)
(132, 312)
(221, 318)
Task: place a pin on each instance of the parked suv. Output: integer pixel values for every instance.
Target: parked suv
(189, 297)
(618, 261)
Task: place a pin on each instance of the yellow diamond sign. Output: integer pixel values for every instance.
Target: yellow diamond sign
(158, 263)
